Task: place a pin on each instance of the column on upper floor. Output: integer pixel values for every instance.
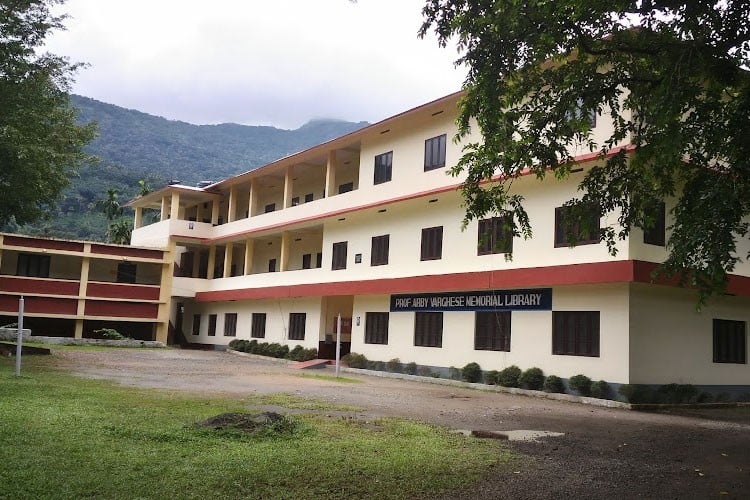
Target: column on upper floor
(252, 201)
(288, 186)
(232, 208)
(164, 206)
(331, 174)
(174, 207)
(249, 251)
(215, 209)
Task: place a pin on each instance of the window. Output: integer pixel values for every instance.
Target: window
(376, 328)
(270, 207)
(319, 260)
(126, 272)
(297, 326)
(339, 256)
(495, 235)
(428, 329)
(656, 235)
(196, 324)
(211, 325)
(434, 153)
(578, 113)
(383, 167)
(33, 265)
(345, 188)
(271, 265)
(492, 331)
(295, 201)
(584, 228)
(730, 345)
(307, 261)
(575, 333)
(432, 243)
(230, 325)
(309, 197)
(258, 327)
(379, 252)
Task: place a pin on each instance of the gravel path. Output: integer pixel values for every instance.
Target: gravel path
(604, 453)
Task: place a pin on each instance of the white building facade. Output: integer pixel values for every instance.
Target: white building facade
(369, 226)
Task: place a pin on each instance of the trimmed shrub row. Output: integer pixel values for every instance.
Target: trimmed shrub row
(273, 350)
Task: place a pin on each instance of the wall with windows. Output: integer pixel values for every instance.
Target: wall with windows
(276, 320)
(672, 342)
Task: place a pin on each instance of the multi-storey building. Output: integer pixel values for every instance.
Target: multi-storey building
(72, 288)
(369, 226)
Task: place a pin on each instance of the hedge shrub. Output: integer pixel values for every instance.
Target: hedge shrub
(553, 383)
(532, 379)
(355, 360)
(491, 376)
(472, 372)
(509, 376)
(580, 383)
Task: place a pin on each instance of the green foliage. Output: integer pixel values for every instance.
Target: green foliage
(425, 371)
(601, 390)
(580, 383)
(636, 394)
(410, 368)
(532, 379)
(40, 143)
(296, 353)
(110, 334)
(677, 394)
(354, 360)
(394, 365)
(553, 383)
(509, 376)
(472, 372)
(491, 377)
(669, 78)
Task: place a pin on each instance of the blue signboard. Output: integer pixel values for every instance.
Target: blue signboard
(533, 299)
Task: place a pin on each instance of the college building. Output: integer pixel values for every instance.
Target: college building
(369, 227)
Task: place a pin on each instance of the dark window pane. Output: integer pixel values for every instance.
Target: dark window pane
(582, 227)
(270, 207)
(730, 344)
(380, 249)
(656, 235)
(271, 265)
(258, 328)
(230, 324)
(309, 197)
(339, 255)
(434, 153)
(432, 243)
(196, 324)
(297, 326)
(495, 235)
(492, 331)
(376, 328)
(345, 188)
(575, 333)
(126, 272)
(383, 168)
(211, 325)
(428, 329)
(306, 261)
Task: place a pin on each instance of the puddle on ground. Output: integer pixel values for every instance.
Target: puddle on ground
(517, 435)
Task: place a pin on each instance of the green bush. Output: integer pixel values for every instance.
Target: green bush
(677, 394)
(491, 376)
(394, 365)
(532, 379)
(425, 371)
(296, 353)
(355, 360)
(472, 372)
(509, 376)
(234, 344)
(600, 390)
(379, 366)
(309, 354)
(273, 350)
(252, 346)
(636, 394)
(553, 383)
(580, 383)
(410, 368)
(110, 334)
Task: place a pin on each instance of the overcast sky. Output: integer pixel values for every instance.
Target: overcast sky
(280, 62)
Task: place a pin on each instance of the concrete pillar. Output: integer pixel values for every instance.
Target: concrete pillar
(249, 250)
(284, 257)
(288, 186)
(252, 201)
(211, 262)
(198, 212)
(215, 207)
(82, 286)
(138, 222)
(174, 208)
(331, 174)
(163, 214)
(232, 212)
(161, 328)
(228, 250)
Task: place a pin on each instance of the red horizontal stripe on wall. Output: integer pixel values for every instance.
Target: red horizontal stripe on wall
(126, 251)
(42, 286)
(122, 291)
(21, 241)
(39, 305)
(121, 309)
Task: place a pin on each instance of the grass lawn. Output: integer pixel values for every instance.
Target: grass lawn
(66, 437)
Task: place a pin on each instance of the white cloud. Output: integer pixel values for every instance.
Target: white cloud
(256, 62)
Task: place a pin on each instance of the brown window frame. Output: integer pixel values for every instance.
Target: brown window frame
(428, 329)
(657, 235)
(258, 325)
(494, 235)
(126, 272)
(383, 168)
(376, 328)
(492, 331)
(306, 261)
(434, 152)
(33, 265)
(338, 255)
(297, 326)
(576, 333)
(230, 324)
(380, 250)
(272, 265)
(561, 235)
(432, 243)
(729, 341)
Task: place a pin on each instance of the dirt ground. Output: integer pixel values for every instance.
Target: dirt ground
(604, 453)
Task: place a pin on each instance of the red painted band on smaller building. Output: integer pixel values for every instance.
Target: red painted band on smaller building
(39, 305)
(126, 251)
(122, 291)
(22, 285)
(21, 241)
(121, 309)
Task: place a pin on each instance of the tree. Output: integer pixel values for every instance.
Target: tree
(671, 78)
(119, 229)
(40, 142)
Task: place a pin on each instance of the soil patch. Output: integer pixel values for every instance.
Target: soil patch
(247, 423)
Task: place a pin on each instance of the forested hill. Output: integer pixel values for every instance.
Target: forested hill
(191, 153)
(132, 146)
